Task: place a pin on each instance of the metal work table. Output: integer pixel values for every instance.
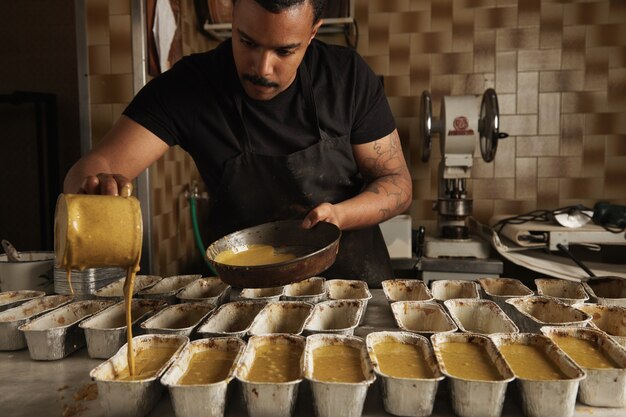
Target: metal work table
(30, 388)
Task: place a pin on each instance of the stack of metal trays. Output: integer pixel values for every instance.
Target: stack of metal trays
(86, 282)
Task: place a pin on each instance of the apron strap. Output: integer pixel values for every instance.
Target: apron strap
(309, 98)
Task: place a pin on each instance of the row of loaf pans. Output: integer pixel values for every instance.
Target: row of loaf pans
(481, 316)
(610, 291)
(401, 396)
(332, 316)
(185, 288)
(53, 327)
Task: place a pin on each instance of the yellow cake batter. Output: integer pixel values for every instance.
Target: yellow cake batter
(147, 363)
(276, 362)
(337, 363)
(584, 352)
(468, 361)
(402, 360)
(254, 255)
(100, 231)
(208, 366)
(531, 362)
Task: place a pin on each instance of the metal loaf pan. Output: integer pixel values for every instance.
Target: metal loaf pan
(532, 313)
(611, 319)
(499, 290)
(262, 294)
(10, 299)
(281, 317)
(105, 332)
(479, 316)
(231, 319)
(447, 289)
(168, 287)
(56, 334)
(607, 290)
(554, 398)
(406, 290)
(115, 290)
(471, 397)
(332, 399)
(268, 399)
(348, 289)
(406, 396)
(602, 387)
(568, 292)
(210, 290)
(132, 398)
(10, 320)
(204, 400)
(335, 317)
(179, 319)
(425, 318)
(311, 290)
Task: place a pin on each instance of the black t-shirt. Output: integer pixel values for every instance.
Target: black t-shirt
(192, 105)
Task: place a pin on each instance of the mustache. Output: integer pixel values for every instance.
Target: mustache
(257, 80)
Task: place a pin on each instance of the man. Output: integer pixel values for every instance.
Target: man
(280, 126)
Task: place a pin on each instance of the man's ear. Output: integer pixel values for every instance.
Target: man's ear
(315, 29)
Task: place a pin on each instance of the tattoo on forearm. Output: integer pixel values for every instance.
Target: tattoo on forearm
(384, 173)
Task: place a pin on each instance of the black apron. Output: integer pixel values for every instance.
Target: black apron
(257, 189)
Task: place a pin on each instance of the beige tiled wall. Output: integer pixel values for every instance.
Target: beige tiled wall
(559, 68)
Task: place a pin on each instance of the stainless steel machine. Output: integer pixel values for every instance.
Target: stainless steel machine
(465, 121)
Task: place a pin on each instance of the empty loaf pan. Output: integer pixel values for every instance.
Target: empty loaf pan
(546, 377)
(231, 319)
(262, 294)
(270, 372)
(446, 289)
(611, 319)
(10, 320)
(122, 396)
(346, 289)
(10, 299)
(179, 319)
(532, 313)
(477, 372)
(566, 291)
(479, 316)
(605, 384)
(607, 290)
(281, 317)
(499, 290)
(335, 316)
(339, 370)
(406, 290)
(311, 290)
(423, 318)
(167, 288)
(199, 377)
(115, 290)
(210, 290)
(56, 334)
(408, 369)
(105, 332)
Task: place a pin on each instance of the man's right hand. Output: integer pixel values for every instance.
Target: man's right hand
(107, 184)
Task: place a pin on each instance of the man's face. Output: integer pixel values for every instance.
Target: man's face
(269, 47)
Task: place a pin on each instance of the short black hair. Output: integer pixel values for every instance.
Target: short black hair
(276, 6)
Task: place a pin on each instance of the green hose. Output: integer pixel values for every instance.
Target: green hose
(196, 233)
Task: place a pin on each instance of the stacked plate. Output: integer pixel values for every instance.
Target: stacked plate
(86, 282)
